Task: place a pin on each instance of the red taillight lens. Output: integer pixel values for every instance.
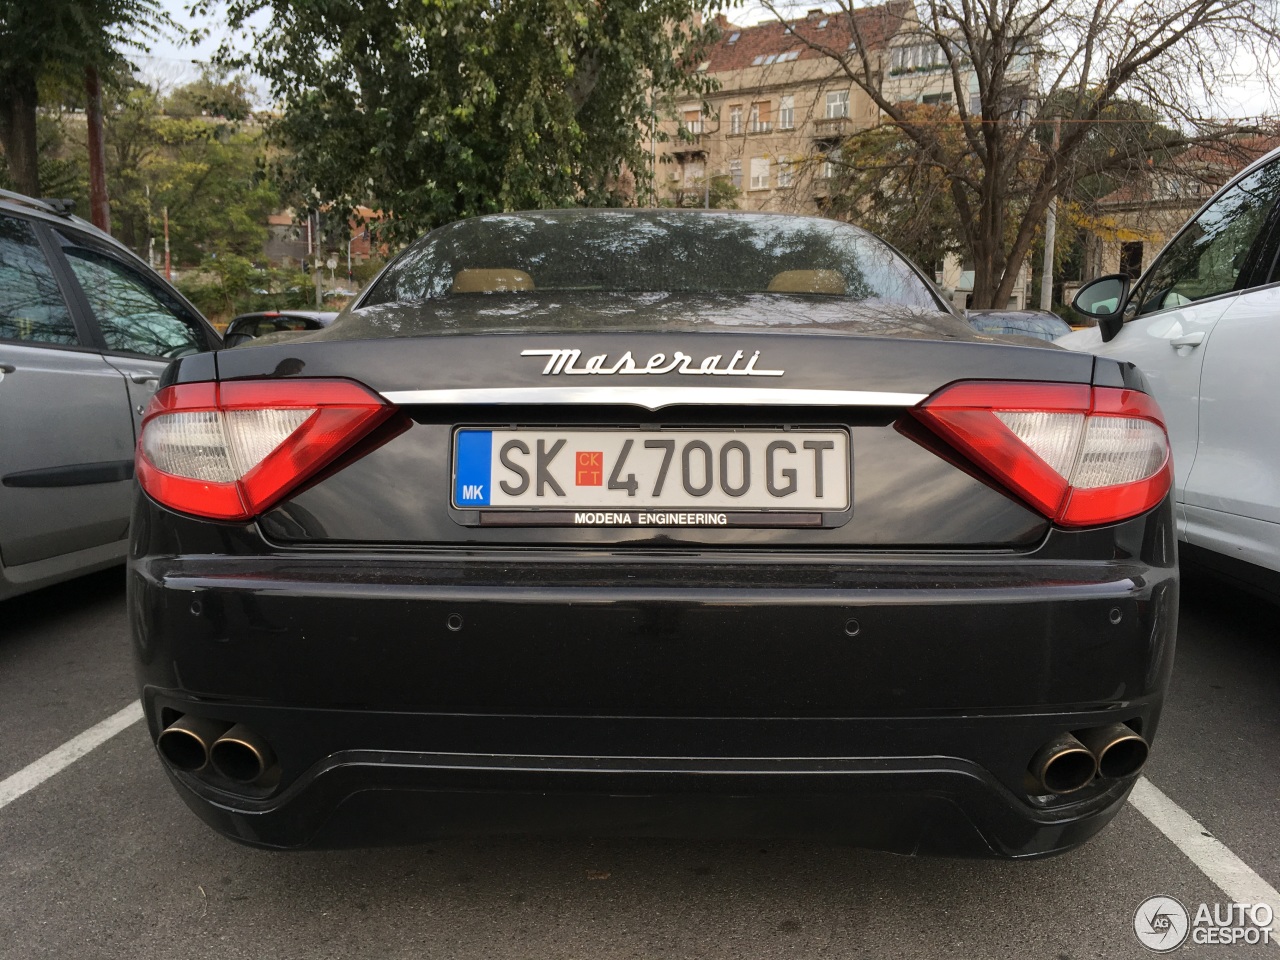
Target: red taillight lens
(1080, 455)
(230, 451)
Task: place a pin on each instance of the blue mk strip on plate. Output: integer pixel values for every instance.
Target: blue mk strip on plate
(473, 461)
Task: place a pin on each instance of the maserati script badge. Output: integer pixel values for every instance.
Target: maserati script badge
(566, 361)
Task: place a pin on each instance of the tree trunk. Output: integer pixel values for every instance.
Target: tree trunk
(99, 207)
(18, 133)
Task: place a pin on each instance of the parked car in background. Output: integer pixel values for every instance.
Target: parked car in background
(1203, 324)
(250, 326)
(654, 522)
(1039, 324)
(86, 329)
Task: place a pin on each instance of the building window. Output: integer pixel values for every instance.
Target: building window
(975, 104)
(692, 120)
(926, 56)
(735, 173)
(735, 118)
(936, 99)
(786, 173)
(733, 37)
(831, 165)
(1131, 259)
(759, 173)
(758, 120)
(837, 104)
(786, 113)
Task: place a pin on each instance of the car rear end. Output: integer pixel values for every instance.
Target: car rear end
(916, 593)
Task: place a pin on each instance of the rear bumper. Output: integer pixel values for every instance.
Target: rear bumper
(886, 702)
(943, 805)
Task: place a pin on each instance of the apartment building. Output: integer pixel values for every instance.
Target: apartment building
(1133, 223)
(774, 126)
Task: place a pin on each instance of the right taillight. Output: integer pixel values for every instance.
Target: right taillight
(1080, 455)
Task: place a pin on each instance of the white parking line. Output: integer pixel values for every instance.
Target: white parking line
(1214, 859)
(1228, 872)
(58, 759)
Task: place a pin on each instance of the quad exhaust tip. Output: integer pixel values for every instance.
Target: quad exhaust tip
(1069, 762)
(1063, 765)
(199, 745)
(186, 742)
(241, 755)
(1120, 751)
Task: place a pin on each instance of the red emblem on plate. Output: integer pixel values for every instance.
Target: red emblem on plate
(589, 469)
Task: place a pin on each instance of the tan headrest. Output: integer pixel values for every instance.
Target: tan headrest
(499, 280)
(808, 281)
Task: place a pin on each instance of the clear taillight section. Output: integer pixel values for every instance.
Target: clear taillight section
(1080, 455)
(233, 450)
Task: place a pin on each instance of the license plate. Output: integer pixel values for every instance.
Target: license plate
(629, 476)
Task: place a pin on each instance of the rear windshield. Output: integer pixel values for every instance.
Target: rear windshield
(650, 252)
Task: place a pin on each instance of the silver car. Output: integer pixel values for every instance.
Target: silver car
(86, 329)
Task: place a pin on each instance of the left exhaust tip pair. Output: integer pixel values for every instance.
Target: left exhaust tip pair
(194, 744)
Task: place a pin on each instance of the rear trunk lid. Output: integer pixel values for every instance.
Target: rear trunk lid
(726, 379)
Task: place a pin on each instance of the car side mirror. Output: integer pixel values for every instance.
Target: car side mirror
(1104, 300)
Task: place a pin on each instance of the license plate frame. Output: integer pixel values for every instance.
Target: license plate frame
(667, 515)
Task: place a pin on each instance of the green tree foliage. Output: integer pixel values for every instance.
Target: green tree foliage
(718, 193)
(438, 109)
(62, 171)
(208, 171)
(217, 93)
(55, 40)
(880, 183)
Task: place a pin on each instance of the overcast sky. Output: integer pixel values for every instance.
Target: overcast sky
(1247, 95)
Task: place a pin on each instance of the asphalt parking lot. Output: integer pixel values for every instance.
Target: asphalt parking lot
(101, 859)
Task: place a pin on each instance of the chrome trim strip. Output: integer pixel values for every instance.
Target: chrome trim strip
(655, 398)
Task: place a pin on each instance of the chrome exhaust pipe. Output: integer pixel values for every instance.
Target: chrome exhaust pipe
(185, 743)
(241, 755)
(1119, 751)
(1063, 765)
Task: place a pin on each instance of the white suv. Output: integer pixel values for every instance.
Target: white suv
(1203, 325)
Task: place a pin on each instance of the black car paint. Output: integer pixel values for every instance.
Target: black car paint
(928, 678)
(676, 647)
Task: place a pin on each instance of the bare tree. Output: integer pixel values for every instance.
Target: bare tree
(1016, 66)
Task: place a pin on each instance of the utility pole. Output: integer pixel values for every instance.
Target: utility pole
(151, 230)
(99, 208)
(653, 149)
(167, 274)
(317, 272)
(1050, 231)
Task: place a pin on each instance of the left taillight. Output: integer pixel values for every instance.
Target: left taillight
(230, 451)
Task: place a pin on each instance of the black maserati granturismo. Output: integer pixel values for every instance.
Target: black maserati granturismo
(653, 523)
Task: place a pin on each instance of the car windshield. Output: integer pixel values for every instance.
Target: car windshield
(651, 252)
